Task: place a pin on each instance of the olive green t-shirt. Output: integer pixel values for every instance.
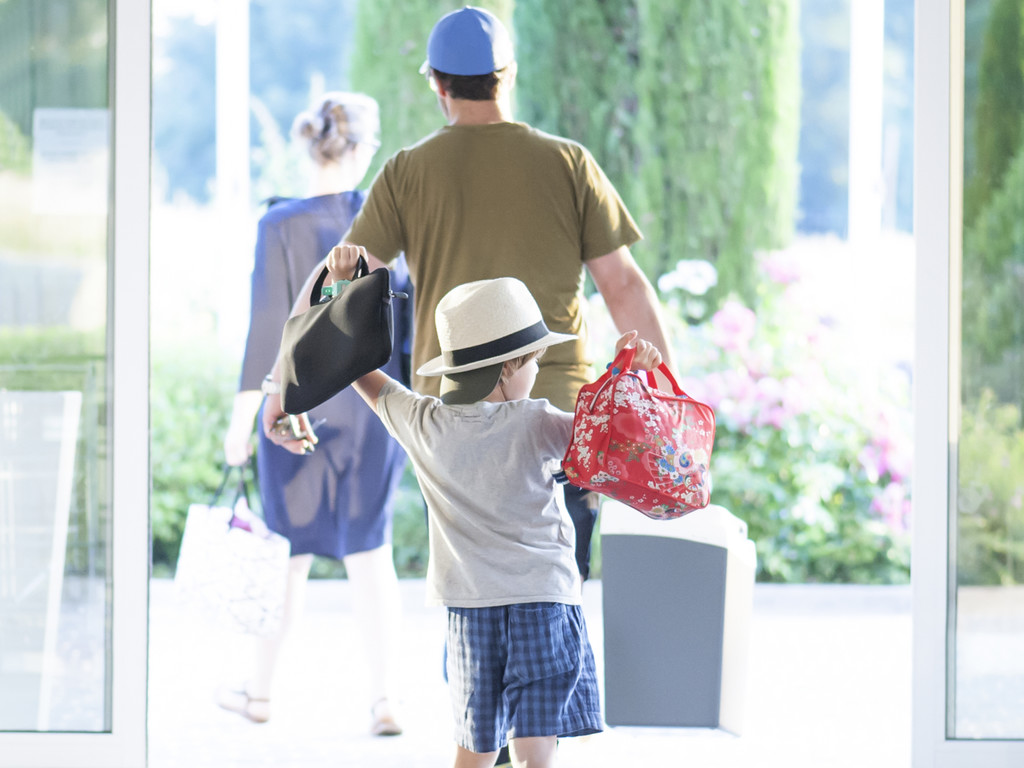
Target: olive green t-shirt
(501, 200)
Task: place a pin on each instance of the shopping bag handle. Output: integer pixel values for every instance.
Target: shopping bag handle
(241, 489)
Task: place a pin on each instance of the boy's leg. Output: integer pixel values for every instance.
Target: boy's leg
(477, 654)
(533, 751)
(466, 759)
(550, 679)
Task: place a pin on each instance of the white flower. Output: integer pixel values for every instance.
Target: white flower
(695, 276)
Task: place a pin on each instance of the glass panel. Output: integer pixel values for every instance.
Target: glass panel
(54, 411)
(987, 681)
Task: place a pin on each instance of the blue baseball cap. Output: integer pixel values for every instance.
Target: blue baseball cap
(471, 41)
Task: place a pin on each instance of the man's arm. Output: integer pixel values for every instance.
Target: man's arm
(630, 298)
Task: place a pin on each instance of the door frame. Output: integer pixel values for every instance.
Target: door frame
(938, 190)
(124, 746)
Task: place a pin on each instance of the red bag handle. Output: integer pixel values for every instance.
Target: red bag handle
(663, 369)
(624, 362)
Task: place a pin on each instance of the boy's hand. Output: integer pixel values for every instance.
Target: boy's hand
(342, 260)
(647, 356)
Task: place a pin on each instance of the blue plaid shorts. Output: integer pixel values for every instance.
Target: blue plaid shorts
(518, 671)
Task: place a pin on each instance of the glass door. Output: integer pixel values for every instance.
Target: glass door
(74, 159)
(968, 567)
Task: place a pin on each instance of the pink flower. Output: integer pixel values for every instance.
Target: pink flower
(781, 266)
(893, 506)
(733, 326)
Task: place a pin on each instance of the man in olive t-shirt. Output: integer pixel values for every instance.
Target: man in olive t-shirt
(487, 197)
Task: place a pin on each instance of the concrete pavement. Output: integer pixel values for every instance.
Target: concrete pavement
(829, 686)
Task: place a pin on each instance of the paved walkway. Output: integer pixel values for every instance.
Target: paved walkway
(829, 687)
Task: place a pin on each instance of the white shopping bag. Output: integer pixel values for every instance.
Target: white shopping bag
(231, 568)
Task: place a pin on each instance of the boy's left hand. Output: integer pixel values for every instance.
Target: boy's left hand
(647, 356)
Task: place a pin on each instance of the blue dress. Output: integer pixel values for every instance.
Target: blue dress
(337, 500)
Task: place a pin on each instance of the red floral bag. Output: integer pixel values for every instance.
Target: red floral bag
(647, 448)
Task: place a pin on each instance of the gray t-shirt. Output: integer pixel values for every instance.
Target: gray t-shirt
(497, 533)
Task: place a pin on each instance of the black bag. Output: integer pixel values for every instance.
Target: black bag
(337, 340)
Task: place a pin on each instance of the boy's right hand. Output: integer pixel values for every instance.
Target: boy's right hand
(342, 261)
(647, 356)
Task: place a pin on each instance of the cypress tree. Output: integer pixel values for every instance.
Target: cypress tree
(998, 117)
(719, 105)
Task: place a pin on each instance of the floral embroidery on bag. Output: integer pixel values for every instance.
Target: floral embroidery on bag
(634, 450)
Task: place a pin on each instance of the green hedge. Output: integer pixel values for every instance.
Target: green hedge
(55, 359)
(993, 282)
(990, 522)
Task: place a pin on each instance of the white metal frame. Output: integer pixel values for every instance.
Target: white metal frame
(938, 141)
(125, 745)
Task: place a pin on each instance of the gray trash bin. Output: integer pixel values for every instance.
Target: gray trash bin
(677, 604)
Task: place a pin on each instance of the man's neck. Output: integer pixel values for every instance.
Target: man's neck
(467, 112)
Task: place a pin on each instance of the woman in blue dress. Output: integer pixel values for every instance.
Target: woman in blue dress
(337, 501)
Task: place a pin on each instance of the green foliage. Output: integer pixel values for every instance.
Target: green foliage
(993, 282)
(409, 533)
(390, 46)
(191, 391)
(808, 501)
(990, 501)
(718, 104)
(61, 359)
(15, 154)
(998, 114)
(54, 54)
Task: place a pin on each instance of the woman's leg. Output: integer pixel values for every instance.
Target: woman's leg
(534, 752)
(268, 649)
(377, 607)
(253, 701)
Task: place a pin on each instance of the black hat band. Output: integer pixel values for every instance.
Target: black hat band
(496, 347)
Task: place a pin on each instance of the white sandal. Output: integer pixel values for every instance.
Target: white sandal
(241, 703)
(384, 722)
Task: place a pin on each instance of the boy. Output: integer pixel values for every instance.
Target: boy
(502, 557)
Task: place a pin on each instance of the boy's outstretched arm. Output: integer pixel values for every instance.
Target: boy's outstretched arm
(339, 262)
(370, 385)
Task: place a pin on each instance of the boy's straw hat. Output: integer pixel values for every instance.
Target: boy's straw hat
(480, 325)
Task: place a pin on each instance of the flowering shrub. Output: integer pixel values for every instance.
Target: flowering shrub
(813, 443)
(990, 497)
